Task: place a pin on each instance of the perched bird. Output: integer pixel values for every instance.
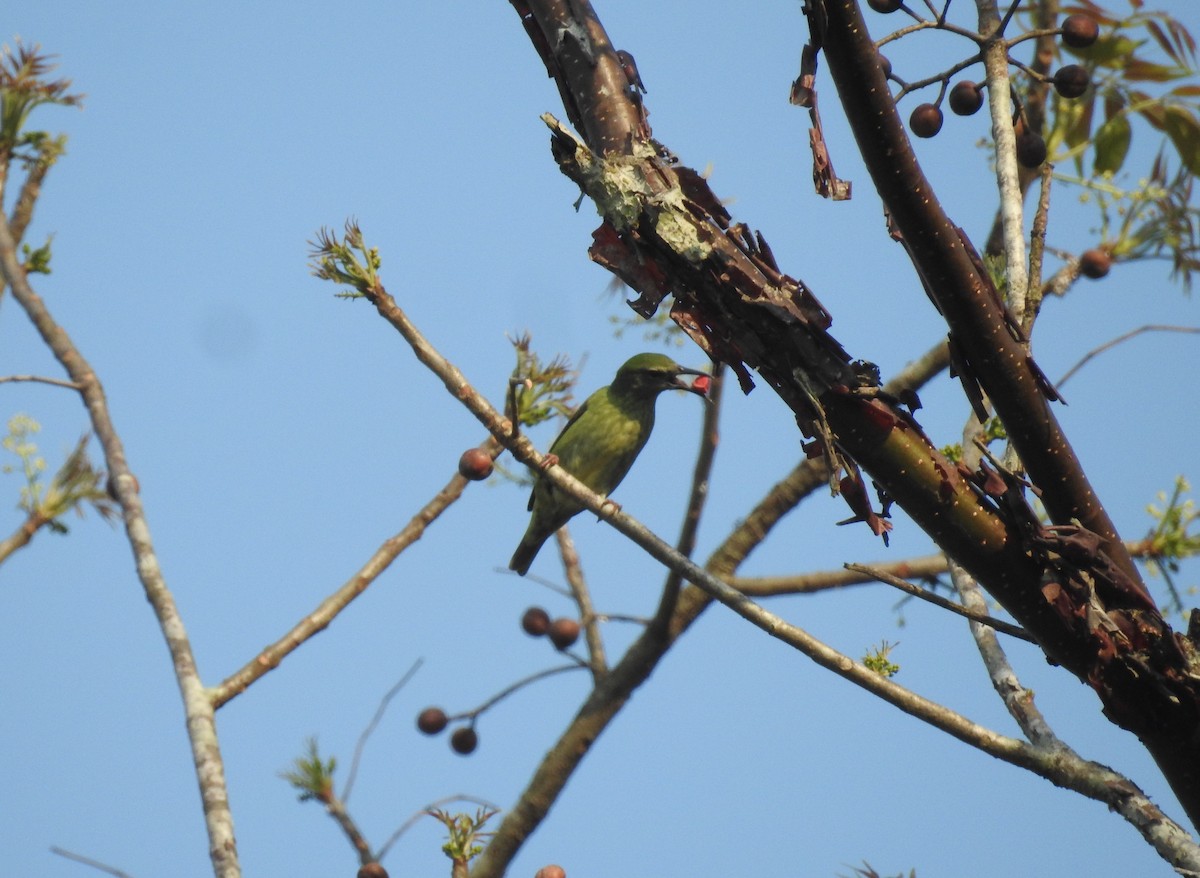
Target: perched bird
(600, 443)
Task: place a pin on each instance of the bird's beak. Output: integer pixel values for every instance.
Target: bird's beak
(699, 386)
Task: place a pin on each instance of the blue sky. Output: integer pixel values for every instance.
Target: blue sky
(280, 434)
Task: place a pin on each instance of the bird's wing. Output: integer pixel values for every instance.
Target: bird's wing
(571, 420)
(575, 417)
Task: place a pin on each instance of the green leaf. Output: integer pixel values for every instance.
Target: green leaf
(1184, 130)
(1075, 117)
(1111, 50)
(1112, 144)
(1138, 70)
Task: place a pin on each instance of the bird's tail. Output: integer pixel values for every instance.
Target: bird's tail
(525, 553)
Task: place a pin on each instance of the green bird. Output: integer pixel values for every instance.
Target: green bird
(600, 443)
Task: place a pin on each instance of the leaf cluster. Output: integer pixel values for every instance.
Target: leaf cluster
(75, 483)
(1172, 539)
(23, 88)
(312, 776)
(544, 390)
(348, 261)
(464, 832)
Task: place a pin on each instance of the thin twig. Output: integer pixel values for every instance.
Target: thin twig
(328, 609)
(1150, 327)
(923, 567)
(573, 570)
(1017, 699)
(697, 497)
(939, 601)
(41, 379)
(366, 733)
(336, 809)
(22, 536)
(517, 686)
(88, 861)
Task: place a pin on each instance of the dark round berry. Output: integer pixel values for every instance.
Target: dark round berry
(475, 464)
(965, 98)
(372, 870)
(885, 63)
(925, 121)
(432, 720)
(1071, 81)
(464, 740)
(884, 6)
(535, 622)
(1095, 263)
(1079, 31)
(1031, 150)
(563, 632)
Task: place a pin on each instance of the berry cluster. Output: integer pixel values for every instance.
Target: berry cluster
(433, 720)
(562, 632)
(965, 98)
(535, 622)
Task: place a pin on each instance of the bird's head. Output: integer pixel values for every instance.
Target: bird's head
(650, 374)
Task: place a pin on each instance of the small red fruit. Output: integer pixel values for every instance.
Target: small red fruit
(1095, 263)
(475, 464)
(1031, 150)
(965, 98)
(432, 720)
(1079, 31)
(535, 622)
(925, 121)
(464, 740)
(372, 870)
(884, 6)
(551, 872)
(1071, 81)
(563, 632)
(702, 384)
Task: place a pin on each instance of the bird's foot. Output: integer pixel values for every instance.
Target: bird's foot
(608, 508)
(548, 461)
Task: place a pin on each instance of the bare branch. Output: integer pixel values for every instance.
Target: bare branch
(328, 609)
(366, 732)
(1017, 699)
(939, 601)
(57, 382)
(88, 861)
(686, 543)
(572, 569)
(201, 728)
(1112, 343)
(21, 537)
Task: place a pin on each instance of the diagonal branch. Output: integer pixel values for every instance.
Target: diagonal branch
(1108, 633)
(318, 620)
(201, 727)
(610, 695)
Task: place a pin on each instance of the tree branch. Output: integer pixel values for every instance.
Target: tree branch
(201, 728)
(607, 698)
(318, 620)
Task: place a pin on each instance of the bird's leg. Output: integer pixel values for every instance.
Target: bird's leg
(551, 459)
